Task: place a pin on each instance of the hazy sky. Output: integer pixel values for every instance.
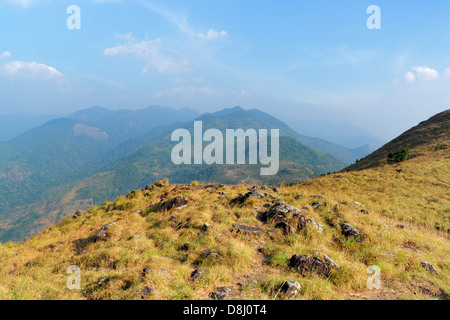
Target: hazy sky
(294, 59)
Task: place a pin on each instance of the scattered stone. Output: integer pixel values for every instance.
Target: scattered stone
(287, 228)
(185, 247)
(226, 290)
(330, 262)
(364, 211)
(317, 205)
(136, 211)
(279, 211)
(317, 197)
(304, 264)
(210, 253)
(429, 267)
(145, 272)
(357, 204)
(241, 198)
(404, 226)
(222, 193)
(213, 206)
(103, 234)
(429, 287)
(77, 214)
(248, 229)
(175, 202)
(182, 207)
(315, 225)
(135, 236)
(147, 291)
(198, 274)
(206, 226)
(305, 208)
(217, 296)
(400, 170)
(291, 288)
(349, 231)
(103, 281)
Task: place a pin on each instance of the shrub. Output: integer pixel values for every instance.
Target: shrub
(398, 156)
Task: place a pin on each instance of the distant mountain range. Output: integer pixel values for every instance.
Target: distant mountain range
(97, 154)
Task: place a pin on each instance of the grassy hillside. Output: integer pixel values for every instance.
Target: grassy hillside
(429, 135)
(156, 243)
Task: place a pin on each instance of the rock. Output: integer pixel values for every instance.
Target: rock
(317, 197)
(210, 253)
(279, 211)
(175, 202)
(429, 267)
(198, 274)
(182, 207)
(404, 226)
(287, 228)
(213, 206)
(315, 225)
(317, 205)
(146, 271)
(248, 229)
(77, 214)
(364, 211)
(240, 199)
(349, 231)
(222, 193)
(400, 170)
(206, 226)
(226, 290)
(134, 236)
(330, 262)
(185, 247)
(147, 291)
(136, 211)
(291, 288)
(304, 264)
(357, 204)
(103, 234)
(305, 208)
(103, 281)
(218, 295)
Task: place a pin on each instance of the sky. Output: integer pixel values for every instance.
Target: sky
(295, 59)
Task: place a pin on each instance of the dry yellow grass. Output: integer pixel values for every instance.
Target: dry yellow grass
(418, 197)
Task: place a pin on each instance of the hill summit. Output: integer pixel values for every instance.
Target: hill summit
(379, 233)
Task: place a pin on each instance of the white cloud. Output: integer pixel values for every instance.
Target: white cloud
(410, 77)
(212, 35)
(5, 54)
(447, 73)
(150, 51)
(426, 73)
(26, 69)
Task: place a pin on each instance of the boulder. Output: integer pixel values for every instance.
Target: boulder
(218, 295)
(103, 234)
(198, 274)
(330, 262)
(349, 231)
(287, 228)
(305, 264)
(429, 267)
(291, 288)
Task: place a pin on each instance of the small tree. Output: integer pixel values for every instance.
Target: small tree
(398, 156)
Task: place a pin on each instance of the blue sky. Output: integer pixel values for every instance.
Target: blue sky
(295, 59)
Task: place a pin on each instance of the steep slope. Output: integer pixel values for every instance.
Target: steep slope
(149, 244)
(39, 166)
(427, 136)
